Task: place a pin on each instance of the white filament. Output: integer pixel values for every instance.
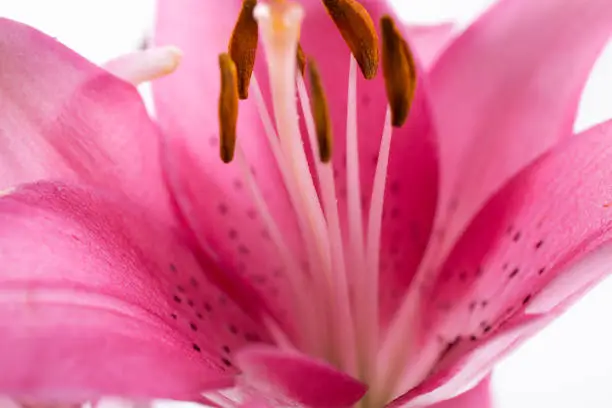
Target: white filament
(345, 331)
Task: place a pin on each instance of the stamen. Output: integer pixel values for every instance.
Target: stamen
(358, 31)
(399, 71)
(320, 113)
(228, 107)
(352, 164)
(301, 59)
(374, 235)
(377, 200)
(147, 65)
(357, 264)
(243, 46)
(345, 330)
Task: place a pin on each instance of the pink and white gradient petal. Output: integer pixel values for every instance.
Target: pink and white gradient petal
(92, 306)
(62, 117)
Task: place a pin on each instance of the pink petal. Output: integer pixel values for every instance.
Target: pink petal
(62, 117)
(477, 397)
(506, 91)
(411, 193)
(469, 366)
(472, 361)
(545, 236)
(98, 298)
(299, 378)
(430, 41)
(214, 197)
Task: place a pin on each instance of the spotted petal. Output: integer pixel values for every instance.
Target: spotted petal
(506, 91)
(545, 236)
(216, 198)
(62, 117)
(98, 298)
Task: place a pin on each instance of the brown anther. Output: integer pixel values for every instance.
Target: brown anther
(357, 29)
(399, 71)
(320, 112)
(228, 107)
(301, 59)
(243, 46)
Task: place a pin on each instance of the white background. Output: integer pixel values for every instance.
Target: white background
(567, 365)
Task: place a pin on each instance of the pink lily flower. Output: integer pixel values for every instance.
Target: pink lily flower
(137, 264)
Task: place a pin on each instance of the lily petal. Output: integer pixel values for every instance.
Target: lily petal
(552, 215)
(215, 198)
(99, 299)
(554, 212)
(472, 367)
(299, 378)
(62, 117)
(471, 361)
(477, 397)
(429, 41)
(506, 91)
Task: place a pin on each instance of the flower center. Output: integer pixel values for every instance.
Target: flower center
(342, 324)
